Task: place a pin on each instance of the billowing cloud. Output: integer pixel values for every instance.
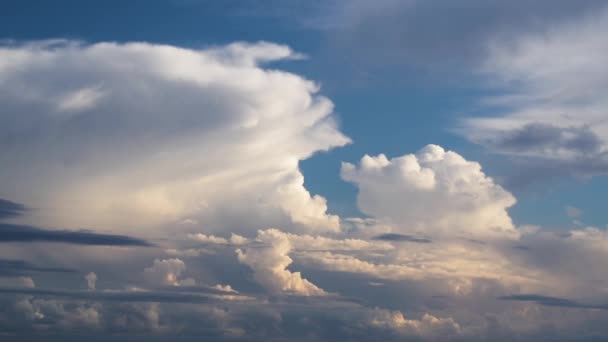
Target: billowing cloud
(141, 135)
(269, 264)
(167, 272)
(433, 192)
(429, 327)
(91, 279)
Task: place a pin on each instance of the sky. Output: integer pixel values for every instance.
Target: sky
(305, 170)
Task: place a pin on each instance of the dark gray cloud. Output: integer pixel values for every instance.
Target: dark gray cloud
(553, 301)
(401, 237)
(541, 152)
(521, 172)
(10, 209)
(112, 296)
(12, 268)
(23, 233)
(543, 137)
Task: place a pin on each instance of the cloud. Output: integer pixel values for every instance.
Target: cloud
(112, 296)
(10, 209)
(13, 267)
(553, 301)
(208, 142)
(552, 105)
(269, 264)
(544, 139)
(234, 239)
(91, 279)
(388, 35)
(301, 242)
(449, 267)
(142, 136)
(29, 234)
(432, 192)
(429, 327)
(167, 272)
(80, 100)
(401, 237)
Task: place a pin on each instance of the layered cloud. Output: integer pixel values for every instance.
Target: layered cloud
(142, 135)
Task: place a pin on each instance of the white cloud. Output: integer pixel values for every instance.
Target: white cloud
(269, 263)
(428, 326)
(17, 282)
(450, 268)
(91, 279)
(319, 243)
(434, 192)
(159, 134)
(208, 238)
(303, 242)
(80, 100)
(167, 272)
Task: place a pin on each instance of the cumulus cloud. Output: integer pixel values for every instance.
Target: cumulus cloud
(234, 239)
(388, 37)
(91, 279)
(167, 272)
(429, 327)
(434, 192)
(142, 135)
(451, 268)
(28, 234)
(269, 264)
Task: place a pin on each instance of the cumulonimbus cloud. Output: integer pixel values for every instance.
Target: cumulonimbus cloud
(140, 135)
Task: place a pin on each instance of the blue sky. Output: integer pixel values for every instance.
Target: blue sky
(189, 138)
